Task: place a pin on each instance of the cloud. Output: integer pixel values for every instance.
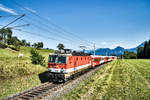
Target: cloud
(30, 9)
(116, 45)
(103, 43)
(8, 10)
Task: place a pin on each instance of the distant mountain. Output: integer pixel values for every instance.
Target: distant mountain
(135, 49)
(116, 51)
(106, 51)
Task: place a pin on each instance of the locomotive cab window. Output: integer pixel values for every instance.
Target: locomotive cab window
(52, 58)
(61, 59)
(57, 59)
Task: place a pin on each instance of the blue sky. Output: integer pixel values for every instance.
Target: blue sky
(108, 23)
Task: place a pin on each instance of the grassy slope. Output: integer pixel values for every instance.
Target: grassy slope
(17, 74)
(120, 80)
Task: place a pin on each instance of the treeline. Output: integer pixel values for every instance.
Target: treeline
(8, 40)
(144, 52)
(129, 55)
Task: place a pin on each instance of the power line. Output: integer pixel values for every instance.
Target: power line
(20, 26)
(31, 33)
(49, 21)
(46, 30)
(14, 21)
(9, 16)
(64, 36)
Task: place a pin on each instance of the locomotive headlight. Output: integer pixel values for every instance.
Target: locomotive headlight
(49, 69)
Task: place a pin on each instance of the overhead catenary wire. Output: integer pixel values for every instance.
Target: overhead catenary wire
(14, 21)
(39, 34)
(58, 27)
(1, 16)
(19, 26)
(58, 31)
(47, 31)
(47, 37)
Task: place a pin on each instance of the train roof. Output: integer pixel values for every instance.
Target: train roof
(61, 54)
(101, 56)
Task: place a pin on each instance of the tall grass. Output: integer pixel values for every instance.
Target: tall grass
(123, 80)
(18, 74)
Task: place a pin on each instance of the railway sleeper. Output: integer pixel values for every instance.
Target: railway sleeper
(24, 97)
(34, 94)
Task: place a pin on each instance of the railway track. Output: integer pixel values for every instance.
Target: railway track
(50, 91)
(34, 93)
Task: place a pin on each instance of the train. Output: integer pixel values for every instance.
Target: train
(63, 67)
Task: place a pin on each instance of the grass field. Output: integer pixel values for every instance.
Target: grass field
(16, 74)
(118, 80)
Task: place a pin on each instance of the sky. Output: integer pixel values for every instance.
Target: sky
(107, 23)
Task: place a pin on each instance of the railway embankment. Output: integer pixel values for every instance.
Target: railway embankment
(19, 74)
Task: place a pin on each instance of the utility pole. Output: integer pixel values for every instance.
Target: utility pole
(94, 48)
(14, 20)
(83, 47)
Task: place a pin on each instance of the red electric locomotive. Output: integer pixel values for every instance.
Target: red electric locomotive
(62, 67)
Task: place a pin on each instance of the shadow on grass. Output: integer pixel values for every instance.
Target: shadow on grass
(44, 77)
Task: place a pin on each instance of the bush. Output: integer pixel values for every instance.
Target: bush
(14, 47)
(36, 58)
(3, 45)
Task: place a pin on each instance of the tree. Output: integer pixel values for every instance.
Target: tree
(1, 38)
(23, 42)
(36, 58)
(34, 45)
(144, 52)
(14, 39)
(60, 46)
(145, 49)
(148, 51)
(17, 45)
(28, 44)
(40, 45)
(129, 55)
(149, 42)
(140, 53)
(5, 35)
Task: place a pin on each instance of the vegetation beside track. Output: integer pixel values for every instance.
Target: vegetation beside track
(19, 74)
(121, 80)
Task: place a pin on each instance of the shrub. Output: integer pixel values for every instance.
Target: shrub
(14, 47)
(36, 58)
(3, 45)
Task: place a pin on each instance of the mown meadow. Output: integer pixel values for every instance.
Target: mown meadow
(118, 80)
(19, 74)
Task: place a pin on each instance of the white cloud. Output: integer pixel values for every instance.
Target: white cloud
(8, 10)
(30, 9)
(103, 43)
(116, 45)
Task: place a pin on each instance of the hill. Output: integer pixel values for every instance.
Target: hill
(19, 74)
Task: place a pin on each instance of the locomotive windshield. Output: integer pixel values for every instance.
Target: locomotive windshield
(57, 59)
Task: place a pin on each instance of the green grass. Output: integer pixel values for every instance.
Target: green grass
(119, 80)
(19, 74)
